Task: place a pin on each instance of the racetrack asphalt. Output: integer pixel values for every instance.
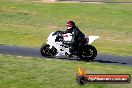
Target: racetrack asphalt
(35, 52)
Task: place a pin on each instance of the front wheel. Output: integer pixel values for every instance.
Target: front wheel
(89, 52)
(46, 51)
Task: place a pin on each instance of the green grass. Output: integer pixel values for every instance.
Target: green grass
(109, 0)
(29, 24)
(20, 72)
(121, 0)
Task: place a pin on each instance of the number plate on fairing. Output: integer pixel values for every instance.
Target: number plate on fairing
(67, 37)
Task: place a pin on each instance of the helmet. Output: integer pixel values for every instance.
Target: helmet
(70, 24)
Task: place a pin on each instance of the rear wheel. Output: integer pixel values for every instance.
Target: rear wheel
(89, 52)
(46, 51)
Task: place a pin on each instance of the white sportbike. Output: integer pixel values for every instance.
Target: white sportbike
(58, 43)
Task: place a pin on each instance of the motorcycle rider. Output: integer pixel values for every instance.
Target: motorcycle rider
(77, 36)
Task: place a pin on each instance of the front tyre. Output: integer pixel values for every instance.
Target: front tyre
(46, 51)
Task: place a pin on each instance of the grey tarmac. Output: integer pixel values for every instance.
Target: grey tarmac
(35, 52)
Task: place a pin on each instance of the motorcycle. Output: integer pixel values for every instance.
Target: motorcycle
(58, 43)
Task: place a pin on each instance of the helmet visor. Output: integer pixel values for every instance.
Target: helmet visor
(69, 27)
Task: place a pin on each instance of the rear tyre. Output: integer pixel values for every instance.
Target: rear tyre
(89, 53)
(48, 52)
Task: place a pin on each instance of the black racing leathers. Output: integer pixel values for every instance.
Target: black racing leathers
(77, 35)
(77, 38)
